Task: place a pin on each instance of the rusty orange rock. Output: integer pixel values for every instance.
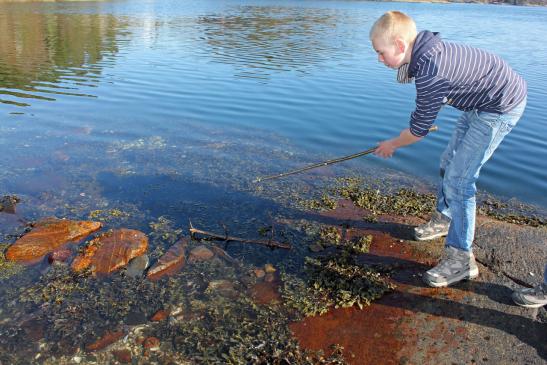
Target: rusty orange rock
(111, 251)
(151, 343)
(160, 315)
(106, 340)
(46, 236)
(171, 262)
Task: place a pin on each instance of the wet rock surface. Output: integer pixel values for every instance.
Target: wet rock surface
(112, 251)
(471, 322)
(46, 236)
(232, 301)
(169, 263)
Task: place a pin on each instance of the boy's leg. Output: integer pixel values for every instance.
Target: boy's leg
(438, 225)
(485, 133)
(462, 126)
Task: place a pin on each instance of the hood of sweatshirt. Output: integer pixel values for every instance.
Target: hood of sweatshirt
(423, 43)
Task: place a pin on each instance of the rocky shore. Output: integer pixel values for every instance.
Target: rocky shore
(349, 291)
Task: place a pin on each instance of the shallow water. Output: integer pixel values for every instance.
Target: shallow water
(81, 74)
(167, 111)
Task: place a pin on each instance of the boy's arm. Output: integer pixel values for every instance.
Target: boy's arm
(387, 148)
(430, 92)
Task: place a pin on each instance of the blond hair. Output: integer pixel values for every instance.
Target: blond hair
(392, 25)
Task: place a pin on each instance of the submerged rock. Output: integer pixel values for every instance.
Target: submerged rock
(106, 340)
(8, 204)
(46, 236)
(124, 356)
(222, 287)
(200, 253)
(137, 266)
(160, 315)
(60, 255)
(171, 262)
(111, 251)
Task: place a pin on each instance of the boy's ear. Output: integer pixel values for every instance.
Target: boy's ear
(400, 44)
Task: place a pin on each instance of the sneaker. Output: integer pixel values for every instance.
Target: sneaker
(436, 227)
(531, 297)
(456, 266)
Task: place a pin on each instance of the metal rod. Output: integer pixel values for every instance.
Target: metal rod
(325, 163)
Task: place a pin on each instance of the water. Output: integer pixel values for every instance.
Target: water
(167, 110)
(304, 71)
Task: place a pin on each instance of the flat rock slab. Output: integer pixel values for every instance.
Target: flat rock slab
(171, 262)
(516, 251)
(111, 251)
(472, 322)
(46, 236)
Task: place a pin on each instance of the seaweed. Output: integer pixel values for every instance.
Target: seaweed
(335, 279)
(8, 268)
(325, 202)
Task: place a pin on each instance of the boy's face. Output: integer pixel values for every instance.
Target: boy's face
(391, 54)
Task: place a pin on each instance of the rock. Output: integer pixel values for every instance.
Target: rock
(111, 251)
(316, 247)
(106, 340)
(8, 204)
(160, 315)
(200, 253)
(221, 253)
(46, 236)
(265, 293)
(137, 266)
(270, 277)
(222, 287)
(123, 356)
(59, 255)
(259, 273)
(151, 343)
(171, 262)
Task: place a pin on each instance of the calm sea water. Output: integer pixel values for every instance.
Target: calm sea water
(297, 80)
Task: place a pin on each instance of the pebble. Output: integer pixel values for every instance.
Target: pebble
(259, 273)
(137, 266)
(152, 344)
(200, 253)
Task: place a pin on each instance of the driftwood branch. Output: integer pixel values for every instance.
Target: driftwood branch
(269, 243)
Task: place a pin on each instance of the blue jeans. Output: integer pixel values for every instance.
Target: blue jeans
(476, 137)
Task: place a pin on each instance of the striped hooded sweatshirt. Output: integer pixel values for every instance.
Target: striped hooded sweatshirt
(464, 77)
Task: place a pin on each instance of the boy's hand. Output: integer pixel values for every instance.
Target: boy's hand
(385, 149)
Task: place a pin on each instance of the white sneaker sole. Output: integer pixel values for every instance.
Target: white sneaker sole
(520, 303)
(430, 237)
(539, 305)
(473, 273)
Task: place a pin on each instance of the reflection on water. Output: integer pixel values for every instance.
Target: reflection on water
(46, 55)
(262, 40)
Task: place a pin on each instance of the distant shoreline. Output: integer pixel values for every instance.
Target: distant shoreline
(487, 2)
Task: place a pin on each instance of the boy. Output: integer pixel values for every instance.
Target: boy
(492, 97)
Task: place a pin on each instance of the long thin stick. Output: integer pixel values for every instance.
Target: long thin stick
(269, 243)
(324, 163)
